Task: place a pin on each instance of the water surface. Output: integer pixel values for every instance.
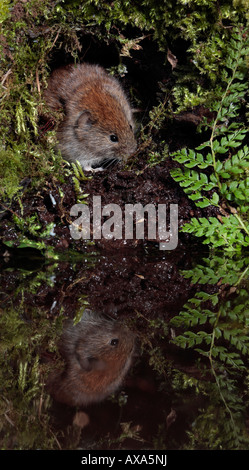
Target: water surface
(186, 386)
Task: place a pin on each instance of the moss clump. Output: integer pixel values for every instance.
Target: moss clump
(11, 166)
(23, 151)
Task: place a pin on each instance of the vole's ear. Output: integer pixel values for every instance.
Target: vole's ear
(83, 123)
(84, 120)
(91, 363)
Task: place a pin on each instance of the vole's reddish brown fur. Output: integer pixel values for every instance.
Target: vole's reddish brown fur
(98, 353)
(98, 127)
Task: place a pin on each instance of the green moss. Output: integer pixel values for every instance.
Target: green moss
(11, 166)
(4, 10)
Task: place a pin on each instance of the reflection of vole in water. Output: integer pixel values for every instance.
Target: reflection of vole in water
(98, 353)
(98, 126)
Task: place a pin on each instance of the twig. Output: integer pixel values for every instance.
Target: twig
(38, 81)
(37, 68)
(6, 76)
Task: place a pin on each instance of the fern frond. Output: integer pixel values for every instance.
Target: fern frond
(216, 173)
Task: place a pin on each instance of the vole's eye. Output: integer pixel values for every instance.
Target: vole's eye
(114, 342)
(114, 138)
